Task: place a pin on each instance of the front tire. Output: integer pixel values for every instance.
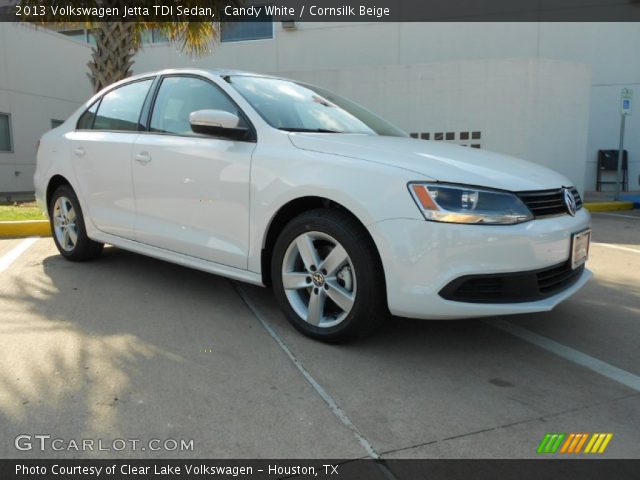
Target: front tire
(327, 276)
(68, 228)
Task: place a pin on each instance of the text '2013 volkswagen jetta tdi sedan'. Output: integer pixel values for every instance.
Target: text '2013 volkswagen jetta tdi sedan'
(275, 182)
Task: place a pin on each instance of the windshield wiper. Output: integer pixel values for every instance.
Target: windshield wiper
(308, 130)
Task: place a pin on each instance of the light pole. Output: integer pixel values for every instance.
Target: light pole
(625, 109)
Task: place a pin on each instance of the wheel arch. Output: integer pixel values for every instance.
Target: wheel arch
(53, 184)
(292, 209)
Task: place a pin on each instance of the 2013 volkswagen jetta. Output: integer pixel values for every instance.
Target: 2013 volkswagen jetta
(275, 182)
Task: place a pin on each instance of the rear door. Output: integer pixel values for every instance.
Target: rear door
(101, 151)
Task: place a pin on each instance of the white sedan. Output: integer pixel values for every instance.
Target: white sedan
(276, 182)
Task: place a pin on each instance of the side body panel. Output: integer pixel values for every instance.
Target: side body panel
(102, 164)
(192, 196)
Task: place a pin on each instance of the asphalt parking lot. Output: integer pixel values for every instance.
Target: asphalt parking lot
(134, 348)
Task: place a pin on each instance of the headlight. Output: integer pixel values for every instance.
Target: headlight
(465, 204)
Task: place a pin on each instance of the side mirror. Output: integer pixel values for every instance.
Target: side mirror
(217, 123)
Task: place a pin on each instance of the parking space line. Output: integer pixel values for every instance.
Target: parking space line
(335, 409)
(616, 374)
(617, 247)
(13, 254)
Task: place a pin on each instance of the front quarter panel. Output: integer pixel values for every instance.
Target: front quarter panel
(282, 173)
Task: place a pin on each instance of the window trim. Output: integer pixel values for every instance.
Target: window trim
(252, 136)
(144, 122)
(96, 102)
(9, 123)
(107, 92)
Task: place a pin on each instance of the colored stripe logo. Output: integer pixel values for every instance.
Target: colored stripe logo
(551, 442)
(573, 443)
(598, 443)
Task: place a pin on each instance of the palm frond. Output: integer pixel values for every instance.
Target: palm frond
(194, 38)
(117, 42)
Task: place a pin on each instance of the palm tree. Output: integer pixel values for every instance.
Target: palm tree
(117, 42)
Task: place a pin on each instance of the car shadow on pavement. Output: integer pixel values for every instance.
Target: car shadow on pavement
(418, 382)
(128, 344)
(57, 370)
(132, 347)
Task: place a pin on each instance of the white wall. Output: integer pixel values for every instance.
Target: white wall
(608, 49)
(612, 50)
(42, 77)
(533, 109)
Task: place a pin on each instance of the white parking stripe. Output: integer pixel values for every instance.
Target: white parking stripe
(335, 409)
(14, 253)
(613, 373)
(617, 247)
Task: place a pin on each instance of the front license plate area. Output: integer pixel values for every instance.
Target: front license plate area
(580, 248)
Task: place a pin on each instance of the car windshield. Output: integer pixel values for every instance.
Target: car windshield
(298, 107)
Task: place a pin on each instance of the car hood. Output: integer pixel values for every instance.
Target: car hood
(439, 161)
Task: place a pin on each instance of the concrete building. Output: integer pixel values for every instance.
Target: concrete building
(547, 92)
(42, 81)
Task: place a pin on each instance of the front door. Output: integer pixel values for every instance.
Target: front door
(192, 191)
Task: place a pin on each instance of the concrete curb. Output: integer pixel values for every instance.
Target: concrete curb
(25, 228)
(608, 206)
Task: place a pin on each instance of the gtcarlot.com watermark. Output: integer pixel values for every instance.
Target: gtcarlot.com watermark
(45, 442)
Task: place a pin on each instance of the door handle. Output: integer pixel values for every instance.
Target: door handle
(143, 158)
(79, 152)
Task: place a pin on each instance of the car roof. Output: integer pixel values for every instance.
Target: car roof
(218, 72)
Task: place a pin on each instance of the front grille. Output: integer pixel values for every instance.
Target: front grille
(546, 203)
(515, 287)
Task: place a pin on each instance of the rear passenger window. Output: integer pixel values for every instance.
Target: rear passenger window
(120, 108)
(86, 119)
(179, 96)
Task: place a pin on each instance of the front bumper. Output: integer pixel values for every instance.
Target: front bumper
(420, 258)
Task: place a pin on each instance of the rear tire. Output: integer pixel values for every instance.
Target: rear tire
(327, 276)
(68, 228)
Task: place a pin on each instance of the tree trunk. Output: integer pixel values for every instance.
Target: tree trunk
(112, 56)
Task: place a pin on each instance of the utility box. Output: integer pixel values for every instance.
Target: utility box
(608, 169)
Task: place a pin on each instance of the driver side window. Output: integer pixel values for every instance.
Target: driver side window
(179, 96)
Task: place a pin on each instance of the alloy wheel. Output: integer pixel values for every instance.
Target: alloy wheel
(64, 224)
(319, 279)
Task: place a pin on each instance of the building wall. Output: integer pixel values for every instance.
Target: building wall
(608, 49)
(42, 77)
(523, 109)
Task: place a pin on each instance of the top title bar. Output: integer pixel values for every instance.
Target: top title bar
(320, 10)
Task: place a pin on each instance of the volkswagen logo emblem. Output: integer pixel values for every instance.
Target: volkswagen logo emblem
(318, 279)
(569, 201)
